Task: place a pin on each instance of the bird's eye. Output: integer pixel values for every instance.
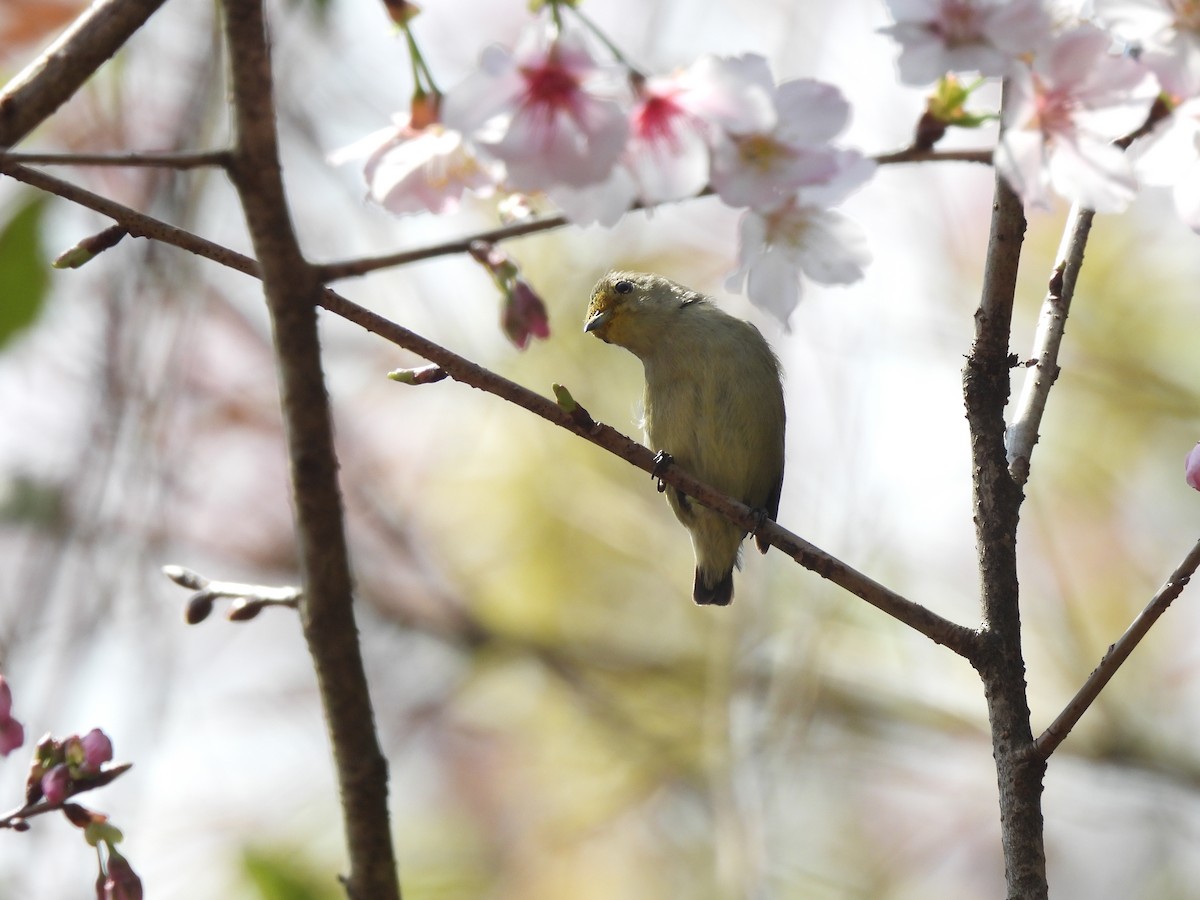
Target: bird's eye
(623, 287)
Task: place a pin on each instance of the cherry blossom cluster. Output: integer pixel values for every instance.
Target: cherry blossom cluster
(563, 115)
(1079, 90)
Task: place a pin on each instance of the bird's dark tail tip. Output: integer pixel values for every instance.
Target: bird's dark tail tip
(719, 594)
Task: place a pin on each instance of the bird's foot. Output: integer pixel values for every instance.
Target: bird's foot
(662, 461)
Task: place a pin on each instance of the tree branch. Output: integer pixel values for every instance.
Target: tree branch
(51, 79)
(963, 641)
(162, 160)
(1049, 740)
(1043, 362)
(997, 502)
(292, 292)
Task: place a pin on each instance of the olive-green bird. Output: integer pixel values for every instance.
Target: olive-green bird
(714, 403)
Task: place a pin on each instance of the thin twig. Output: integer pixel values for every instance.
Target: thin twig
(1049, 740)
(958, 638)
(912, 155)
(163, 160)
(352, 268)
(1043, 368)
(51, 79)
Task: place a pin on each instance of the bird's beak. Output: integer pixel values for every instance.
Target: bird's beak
(598, 319)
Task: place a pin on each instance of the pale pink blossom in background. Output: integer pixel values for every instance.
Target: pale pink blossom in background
(549, 110)
(1170, 156)
(667, 152)
(760, 162)
(673, 123)
(776, 246)
(1061, 119)
(420, 170)
(1191, 466)
(1166, 35)
(985, 36)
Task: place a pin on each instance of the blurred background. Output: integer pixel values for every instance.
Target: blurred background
(561, 720)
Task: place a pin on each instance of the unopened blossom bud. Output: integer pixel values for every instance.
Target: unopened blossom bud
(524, 315)
(56, 783)
(198, 608)
(12, 733)
(97, 750)
(120, 882)
(1191, 467)
(401, 11)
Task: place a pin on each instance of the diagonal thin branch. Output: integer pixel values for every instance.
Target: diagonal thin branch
(962, 640)
(1043, 362)
(51, 79)
(1049, 740)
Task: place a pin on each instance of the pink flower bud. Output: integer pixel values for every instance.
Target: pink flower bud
(1191, 467)
(56, 783)
(97, 750)
(12, 733)
(120, 882)
(524, 315)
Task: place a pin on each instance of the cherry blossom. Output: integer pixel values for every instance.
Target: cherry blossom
(549, 110)
(417, 170)
(984, 36)
(759, 159)
(672, 124)
(1062, 116)
(1166, 35)
(800, 235)
(1170, 156)
(777, 245)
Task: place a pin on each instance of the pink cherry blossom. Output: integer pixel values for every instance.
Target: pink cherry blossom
(1192, 467)
(1062, 116)
(760, 159)
(416, 170)
(777, 245)
(550, 111)
(1170, 156)
(984, 36)
(672, 124)
(1166, 34)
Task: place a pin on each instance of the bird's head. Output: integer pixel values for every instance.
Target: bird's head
(630, 309)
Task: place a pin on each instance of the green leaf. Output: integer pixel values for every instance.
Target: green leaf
(24, 275)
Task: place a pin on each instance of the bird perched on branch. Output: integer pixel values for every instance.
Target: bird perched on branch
(713, 404)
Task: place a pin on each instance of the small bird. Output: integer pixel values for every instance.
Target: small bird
(713, 404)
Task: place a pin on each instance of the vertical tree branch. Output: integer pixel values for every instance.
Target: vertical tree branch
(293, 292)
(997, 501)
(50, 80)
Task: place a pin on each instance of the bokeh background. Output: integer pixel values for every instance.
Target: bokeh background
(561, 721)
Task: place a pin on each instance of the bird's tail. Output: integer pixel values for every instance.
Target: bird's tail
(719, 593)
